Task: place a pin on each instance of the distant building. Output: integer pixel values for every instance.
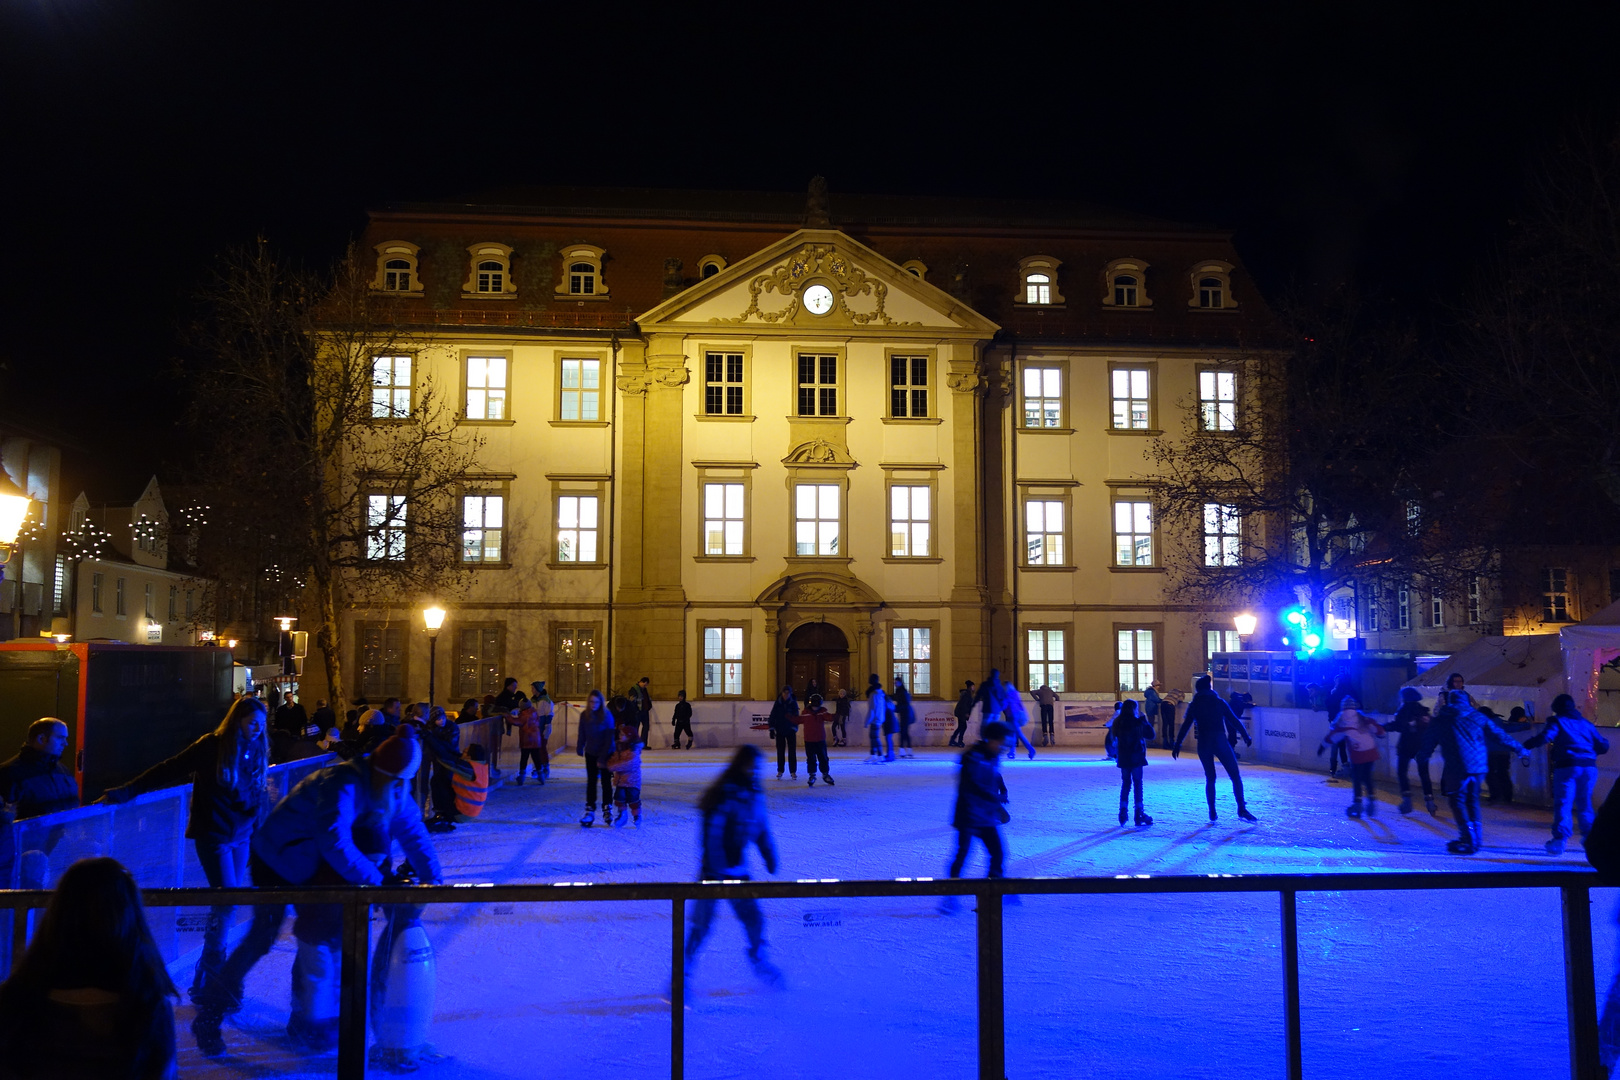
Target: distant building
(31, 590)
(736, 441)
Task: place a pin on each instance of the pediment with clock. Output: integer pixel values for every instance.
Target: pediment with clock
(817, 279)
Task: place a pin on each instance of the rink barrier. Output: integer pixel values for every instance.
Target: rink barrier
(1574, 888)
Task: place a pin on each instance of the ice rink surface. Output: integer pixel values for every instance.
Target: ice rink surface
(1454, 983)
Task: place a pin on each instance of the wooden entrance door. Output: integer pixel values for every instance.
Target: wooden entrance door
(817, 651)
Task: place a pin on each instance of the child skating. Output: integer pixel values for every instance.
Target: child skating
(814, 724)
(733, 811)
(1359, 734)
(625, 762)
(981, 797)
(1132, 733)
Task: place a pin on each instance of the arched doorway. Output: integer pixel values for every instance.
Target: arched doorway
(819, 651)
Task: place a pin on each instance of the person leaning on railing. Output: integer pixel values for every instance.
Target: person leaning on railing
(34, 783)
(226, 768)
(337, 827)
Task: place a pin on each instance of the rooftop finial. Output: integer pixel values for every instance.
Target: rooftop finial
(816, 213)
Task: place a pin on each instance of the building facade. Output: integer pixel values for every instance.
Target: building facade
(126, 589)
(735, 440)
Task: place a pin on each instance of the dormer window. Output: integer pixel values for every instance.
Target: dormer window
(1125, 284)
(1038, 281)
(491, 276)
(396, 269)
(1212, 287)
(710, 265)
(916, 268)
(582, 273)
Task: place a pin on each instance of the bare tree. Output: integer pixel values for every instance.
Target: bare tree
(325, 486)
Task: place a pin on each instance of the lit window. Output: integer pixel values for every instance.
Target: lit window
(1403, 608)
(480, 666)
(491, 277)
(121, 608)
(1217, 400)
(818, 385)
(381, 654)
(174, 603)
(576, 528)
(723, 384)
(1220, 641)
(1037, 289)
(59, 587)
(1373, 607)
(1223, 535)
(1212, 287)
(914, 658)
(1046, 664)
(722, 519)
(482, 528)
(582, 279)
(151, 609)
(908, 386)
(486, 388)
(1132, 404)
(396, 268)
(581, 389)
(396, 276)
(95, 593)
(1555, 595)
(909, 520)
(815, 519)
(722, 661)
(1043, 397)
(390, 387)
(1414, 517)
(385, 528)
(1043, 532)
(1133, 534)
(573, 661)
(1134, 653)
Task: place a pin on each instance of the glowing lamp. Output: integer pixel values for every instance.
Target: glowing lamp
(433, 618)
(13, 509)
(230, 643)
(286, 622)
(1245, 624)
(1313, 640)
(1295, 618)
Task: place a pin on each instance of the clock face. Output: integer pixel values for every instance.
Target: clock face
(818, 299)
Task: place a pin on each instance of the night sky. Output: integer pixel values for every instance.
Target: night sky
(1389, 147)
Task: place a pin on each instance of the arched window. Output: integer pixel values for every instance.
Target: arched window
(582, 273)
(396, 269)
(710, 265)
(1037, 279)
(491, 276)
(1212, 287)
(916, 268)
(1125, 284)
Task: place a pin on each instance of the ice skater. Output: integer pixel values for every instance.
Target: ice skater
(594, 743)
(999, 697)
(1461, 731)
(1575, 747)
(531, 729)
(1047, 700)
(1360, 735)
(840, 723)
(546, 709)
(1499, 763)
(683, 721)
(879, 719)
(904, 715)
(1241, 703)
(784, 730)
(981, 810)
(814, 723)
(964, 712)
(1410, 722)
(1210, 714)
(1132, 733)
(733, 810)
(625, 761)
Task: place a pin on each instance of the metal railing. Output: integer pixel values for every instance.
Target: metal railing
(1574, 891)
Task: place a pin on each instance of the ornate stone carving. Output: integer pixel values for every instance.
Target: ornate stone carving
(642, 381)
(820, 594)
(817, 452)
(964, 382)
(823, 261)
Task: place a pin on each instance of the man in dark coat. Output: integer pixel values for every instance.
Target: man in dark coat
(981, 795)
(964, 710)
(1461, 732)
(291, 716)
(34, 783)
(641, 698)
(1410, 722)
(784, 729)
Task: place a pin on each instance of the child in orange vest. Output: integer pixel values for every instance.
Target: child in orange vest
(471, 794)
(531, 727)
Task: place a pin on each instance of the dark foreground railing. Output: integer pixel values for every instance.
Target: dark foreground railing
(1574, 889)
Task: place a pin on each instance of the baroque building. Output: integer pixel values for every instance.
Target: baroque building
(734, 440)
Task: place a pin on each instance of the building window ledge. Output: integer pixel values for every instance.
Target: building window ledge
(1046, 431)
(577, 565)
(707, 418)
(1136, 569)
(913, 420)
(1151, 432)
(904, 559)
(1048, 569)
(487, 423)
(580, 423)
(723, 558)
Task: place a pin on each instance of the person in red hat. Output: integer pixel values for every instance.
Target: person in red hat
(337, 827)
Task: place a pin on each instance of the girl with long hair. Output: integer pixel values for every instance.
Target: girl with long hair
(595, 744)
(226, 769)
(91, 996)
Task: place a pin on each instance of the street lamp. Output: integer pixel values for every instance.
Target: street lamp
(433, 619)
(13, 508)
(1245, 624)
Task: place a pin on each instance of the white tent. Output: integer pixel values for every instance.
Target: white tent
(1587, 646)
(1502, 672)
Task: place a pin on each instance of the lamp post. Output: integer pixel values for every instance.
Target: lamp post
(13, 509)
(1245, 624)
(284, 643)
(433, 619)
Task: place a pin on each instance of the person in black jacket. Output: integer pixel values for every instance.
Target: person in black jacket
(683, 721)
(981, 797)
(226, 770)
(784, 728)
(1410, 721)
(905, 715)
(963, 712)
(641, 697)
(34, 783)
(324, 718)
(441, 747)
(1212, 715)
(840, 724)
(594, 742)
(1132, 733)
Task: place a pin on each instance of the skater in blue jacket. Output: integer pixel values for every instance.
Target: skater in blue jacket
(1576, 745)
(1461, 733)
(981, 797)
(733, 810)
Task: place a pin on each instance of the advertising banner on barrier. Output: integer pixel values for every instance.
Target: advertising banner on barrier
(1084, 715)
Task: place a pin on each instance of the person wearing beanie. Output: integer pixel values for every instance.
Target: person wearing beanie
(814, 723)
(904, 715)
(1575, 746)
(337, 827)
(1461, 732)
(1359, 735)
(1212, 715)
(1410, 722)
(981, 804)
(531, 741)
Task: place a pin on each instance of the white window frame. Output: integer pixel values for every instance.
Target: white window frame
(1038, 282)
(121, 606)
(911, 397)
(1474, 606)
(1403, 608)
(1212, 298)
(1437, 609)
(1133, 530)
(911, 534)
(392, 399)
(1130, 396)
(820, 386)
(1112, 296)
(725, 382)
(1218, 640)
(586, 284)
(584, 369)
(724, 505)
(385, 532)
(477, 528)
(826, 533)
(486, 386)
(397, 280)
(577, 527)
(1223, 535)
(723, 663)
(1130, 661)
(1555, 605)
(1050, 409)
(1040, 667)
(1045, 541)
(911, 653)
(489, 273)
(1217, 399)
